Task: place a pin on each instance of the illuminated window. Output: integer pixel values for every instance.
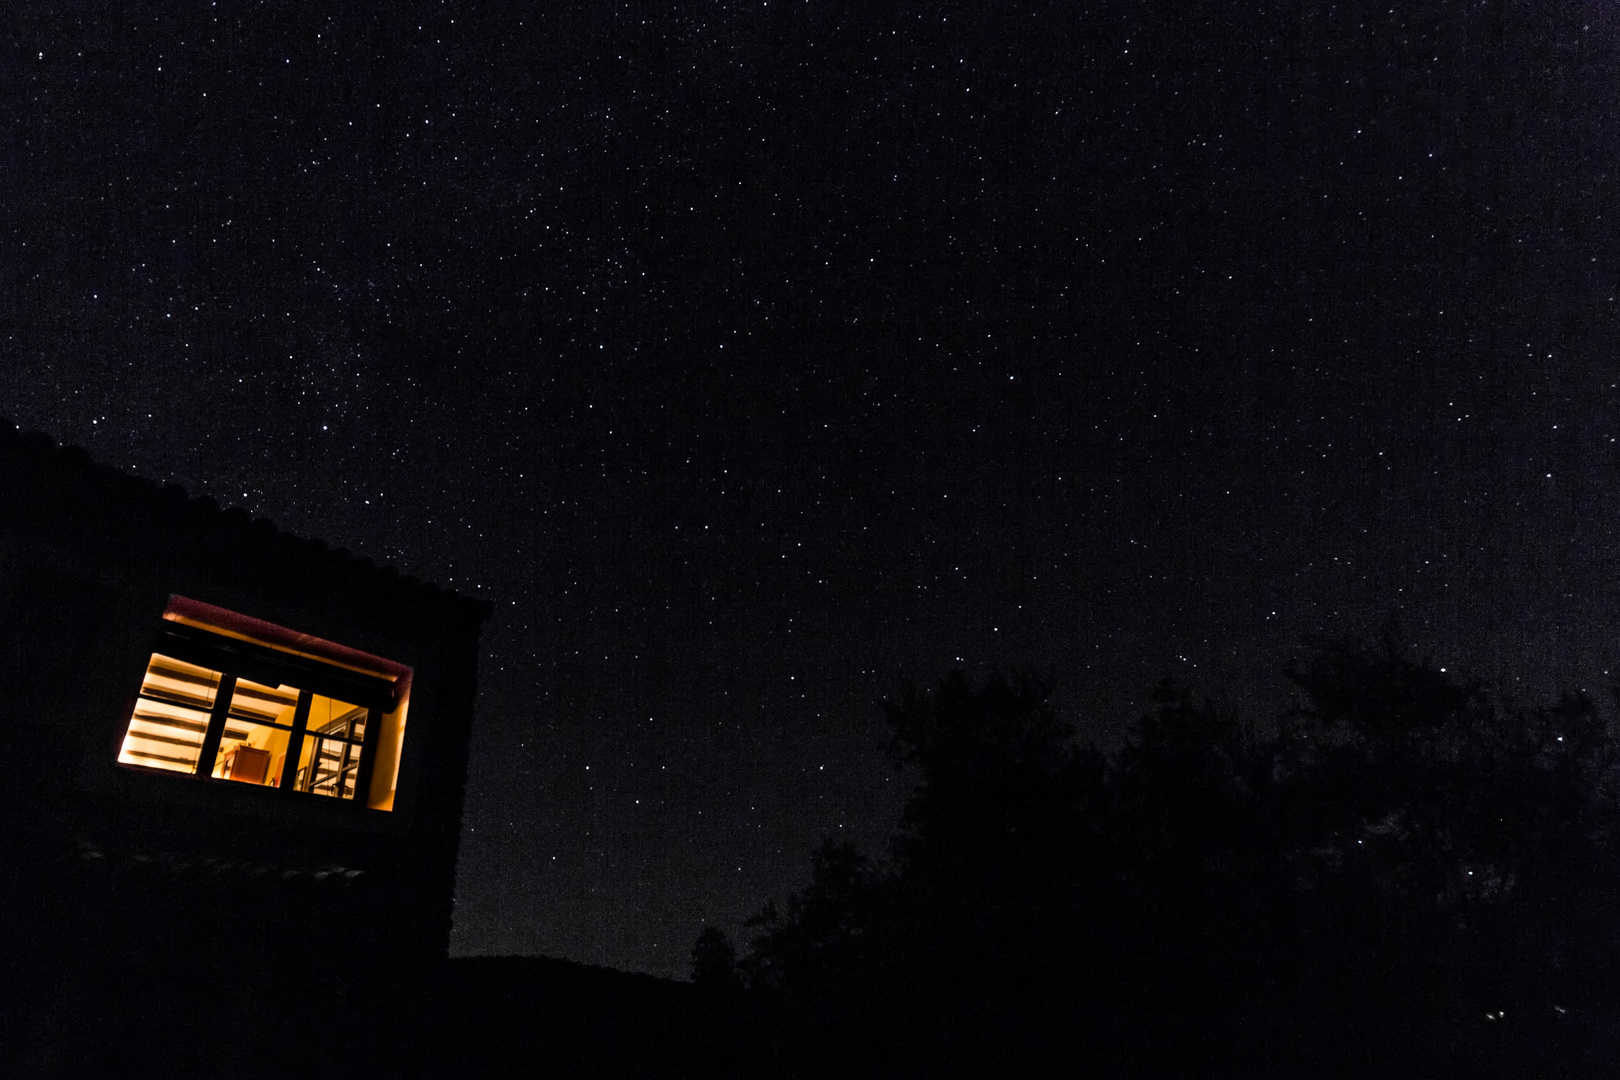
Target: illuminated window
(171, 715)
(234, 699)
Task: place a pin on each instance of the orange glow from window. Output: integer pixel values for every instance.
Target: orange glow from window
(168, 727)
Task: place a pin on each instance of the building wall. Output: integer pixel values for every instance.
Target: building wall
(203, 927)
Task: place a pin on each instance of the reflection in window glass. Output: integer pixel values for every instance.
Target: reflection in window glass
(253, 748)
(171, 715)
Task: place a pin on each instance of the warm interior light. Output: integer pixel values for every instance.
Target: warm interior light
(330, 761)
(390, 747)
(171, 715)
(177, 699)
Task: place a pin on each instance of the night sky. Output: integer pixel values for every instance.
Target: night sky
(753, 357)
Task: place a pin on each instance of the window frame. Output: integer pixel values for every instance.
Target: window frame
(235, 658)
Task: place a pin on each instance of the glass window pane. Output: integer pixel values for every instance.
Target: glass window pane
(176, 702)
(253, 748)
(171, 715)
(330, 762)
(328, 716)
(334, 765)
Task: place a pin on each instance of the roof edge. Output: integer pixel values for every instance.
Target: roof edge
(36, 448)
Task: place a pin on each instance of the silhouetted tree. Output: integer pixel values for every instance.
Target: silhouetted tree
(1186, 833)
(813, 965)
(1448, 845)
(815, 948)
(992, 862)
(1374, 887)
(714, 963)
(724, 1031)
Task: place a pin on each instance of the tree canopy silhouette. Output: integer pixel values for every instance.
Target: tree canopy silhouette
(1406, 871)
(714, 963)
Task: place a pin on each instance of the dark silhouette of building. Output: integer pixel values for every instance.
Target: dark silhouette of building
(231, 776)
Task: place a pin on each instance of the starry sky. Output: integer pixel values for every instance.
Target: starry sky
(752, 357)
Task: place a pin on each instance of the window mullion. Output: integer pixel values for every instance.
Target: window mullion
(216, 725)
(295, 741)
